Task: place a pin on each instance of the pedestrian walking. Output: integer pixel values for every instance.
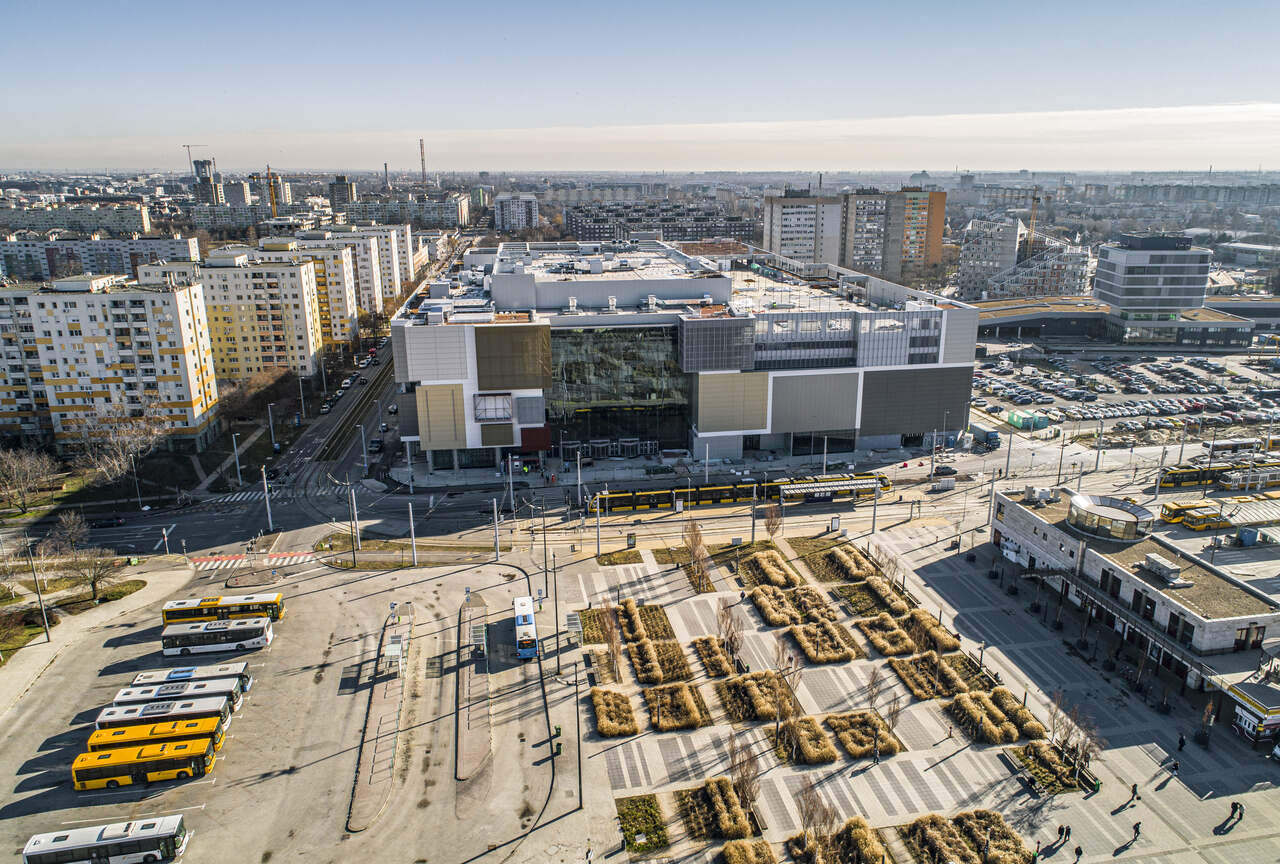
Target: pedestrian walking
(1176, 766)
(1137, 829)
(1068, 834)
(1079, 854)
(1061, 829)
(950, 732)
(1182, 740)
(1235, 808)
(1240, 812)
(877, 751)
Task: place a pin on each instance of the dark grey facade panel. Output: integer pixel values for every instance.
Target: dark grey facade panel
(530, 410)
(914, 402)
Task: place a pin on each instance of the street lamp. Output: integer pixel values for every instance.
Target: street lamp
(271, 425)
(364, 449)
(235, 450)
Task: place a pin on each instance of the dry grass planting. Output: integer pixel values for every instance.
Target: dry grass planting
(978, 716)
(676, 706)
(854, 841)
(1028, 726)
(928, 633)
(644, 657)
(849, 563)
(1006, 844)
(671, 659)
(812, 604)
(592, 628)
(614, 716)
(752, 696)
(712, 654)
(886, 636)
(859, 731)
(802, 740)
(933, 838)
(1048, 768)
(774, 607)
(927, 677)
(629, 618)
(656, 624)
(767, 568)
(713, 811)
(748, 852)
(823, 642)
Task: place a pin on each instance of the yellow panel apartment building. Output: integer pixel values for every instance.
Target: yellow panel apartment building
(335, 283)
(85, 352)
(261, 313)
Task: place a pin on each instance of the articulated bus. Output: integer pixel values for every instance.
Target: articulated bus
(1244, 479)
(164, 712)
(1176, 511)
(221, 608)
(173, 760)
(241, 634)
(526, 632)
(160, 838)
(1232, 446)
(225, 688)
(209, 729)
(849, 485)
(197, 673)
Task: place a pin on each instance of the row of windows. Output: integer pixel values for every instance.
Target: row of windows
(215, 638)
(126, 847)
(186, 763)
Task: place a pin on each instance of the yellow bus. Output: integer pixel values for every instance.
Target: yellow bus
(173, 760)
(221, 608)
(209, 728)
(1176, 511)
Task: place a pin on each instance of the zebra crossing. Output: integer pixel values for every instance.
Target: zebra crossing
(225, 562)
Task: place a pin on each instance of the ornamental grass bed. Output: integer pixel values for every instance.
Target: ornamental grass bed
(774, 607)
(968, 670)
(850, 563)
(630, 622)
(676, 706)
(592, 628)
(642, 815)
(858, 731)
(614, 716)
(812, 604)
(927, 677)
(711, 652)
(753, 696)
(928, 633)
(888, 595)
(802, 740)
(886, 636)
(979, 717)
(1028, 726)
(854, 841)
(977, 826)
(644, 658)
(1050, 771)
(748, 852)
(823, 642)
(767, 568)
(933, 838)
(656, 624)
(671, 659)
(712, 811)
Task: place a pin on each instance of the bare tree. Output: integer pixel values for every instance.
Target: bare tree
(1091, 743)
(118, 436)
(818, 821)
(609, 625)
(785, 679)
(22, 472)
(72, 531)
(699, 558)
(93, 567)
(772, 519)
(744, 770)
(875, 683)
(828, 820)
(1057, 709)
(729, 627)
(895, 711)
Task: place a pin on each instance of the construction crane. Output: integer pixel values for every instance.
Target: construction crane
(1031, 227)
(190, 164)
(271, 190)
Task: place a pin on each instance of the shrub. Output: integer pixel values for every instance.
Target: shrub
(850, 563)
(857, 733)
(978, 715)
(675, 706)
(672, 661)
(886, 636)
(730, 819)
(656, 624)
(1006, 845)
(858, 841)
(629, 617)
(822, 642)
(768, 568)
(919, 673)
(748, 852)
(1047, 767)
(613, 713)
(811, 603)
(805, 738)
(928, 633)
(1020, 714)
(774, 607)
(642, 815)
(751, 696)
(644, 657)
(936, 839)
(712, 654)
(887, 595)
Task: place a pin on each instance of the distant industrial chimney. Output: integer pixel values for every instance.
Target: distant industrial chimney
(386, 176)
(422, 151)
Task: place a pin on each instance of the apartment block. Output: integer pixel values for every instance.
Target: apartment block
(335, 284)
(365, 258)
(515, 212)
(395, 253)
(450, 210)
(668, 221)
(116, 219)
(989, 248)
(262, 313)
(914, 220)
(85, 353)
(804, 227)
(863, 227)
(342, 192)
(624, 349)
(43, 258)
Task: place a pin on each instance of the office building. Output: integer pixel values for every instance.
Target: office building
(515, 212)
(85, 353)
(115, 219)
(661, 220)
(627, 349)
(341, 192)
(44, 258)
(893, 234)
(335, 284)
(1137, 591)
(365, 259)
(262, 313)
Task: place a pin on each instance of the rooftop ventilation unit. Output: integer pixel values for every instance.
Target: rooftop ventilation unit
(706, 299)
(1167, 570)
(1040, 493)
(651, 303)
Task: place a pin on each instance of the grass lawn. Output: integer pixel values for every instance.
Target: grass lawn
(48, 586)
(621, 556)
(78, 603)
(673, 555)
(9, 644)
(340, 541)
(641, 815)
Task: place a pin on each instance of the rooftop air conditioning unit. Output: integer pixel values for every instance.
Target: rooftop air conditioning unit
(706, 299)
(613, 304)
(573, 306)
(652, 303)
(1039, 493)
(1162, 567)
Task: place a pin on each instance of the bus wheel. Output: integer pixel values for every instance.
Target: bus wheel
(185, 651)
(183, 775)
(240, 647)
(150, 858)
(113, 784)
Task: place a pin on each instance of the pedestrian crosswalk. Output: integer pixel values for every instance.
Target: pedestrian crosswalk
(224, 562)
(249, 495)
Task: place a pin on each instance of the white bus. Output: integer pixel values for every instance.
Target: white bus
(226, 688)
(197, 673)
(163, 838)
(164, 712)
(237, 634)
(526, 630)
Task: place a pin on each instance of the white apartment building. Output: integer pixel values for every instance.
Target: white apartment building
(391, 239)
(365, 257)
(515, 212)
(43, 259)
(118, 219)
(261, 313)
(804, 227)
(335, 283)
(864, 220)
(87, 352)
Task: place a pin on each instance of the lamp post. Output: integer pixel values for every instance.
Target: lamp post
(555, 602)
(271, 423)
(235, 449)
(137, 488)
(364, 449)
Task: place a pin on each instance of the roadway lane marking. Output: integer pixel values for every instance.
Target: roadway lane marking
(148, 816)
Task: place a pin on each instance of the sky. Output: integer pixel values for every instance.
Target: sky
(710, 85)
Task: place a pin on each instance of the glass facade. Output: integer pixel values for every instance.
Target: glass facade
(621, 382)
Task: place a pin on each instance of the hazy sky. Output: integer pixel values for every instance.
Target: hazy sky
(674, 85)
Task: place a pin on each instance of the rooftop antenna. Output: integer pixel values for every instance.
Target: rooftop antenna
(422, 151)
